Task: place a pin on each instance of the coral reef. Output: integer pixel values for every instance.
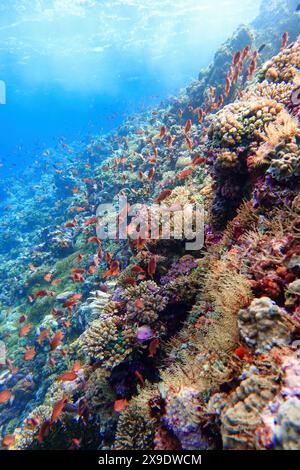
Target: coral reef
(141, 342)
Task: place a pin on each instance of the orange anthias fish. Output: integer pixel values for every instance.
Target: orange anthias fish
(58, 409)
(41, 293)
(55, 341)
(92, 269)
(25, 330)
(72, 300)
(67, 376)
(153, 346)
(91, 221)
(48, 277)
(94, 240)
(163, 195)
(137, 269)
(8, 441)
(29, 354)
(5, 396)
(170, 141)
(43, 335)
(189, 142)
(284, 39)
(152, 265)
(151, 174)
(184, 174)
(187, 126)
(162, 132)
(77, 271)
(139, 377)
(120, 405)
(113, 270)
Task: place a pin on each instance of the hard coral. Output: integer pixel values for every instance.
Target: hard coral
(262, 325)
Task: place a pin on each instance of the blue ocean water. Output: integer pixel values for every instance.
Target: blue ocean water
(74, 68)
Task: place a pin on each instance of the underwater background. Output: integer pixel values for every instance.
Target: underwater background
(174, 102)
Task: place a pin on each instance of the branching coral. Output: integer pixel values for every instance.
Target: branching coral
(107, 341)
(144, 302)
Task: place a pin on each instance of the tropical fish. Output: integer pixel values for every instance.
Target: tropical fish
(187, 126)
(153, 346)
(163, 195)
(67, 376)
(48, 277)
(152, 265)
(5, 396)
(55, 341)
(43, 335)
(170, 141)
(120, 405)
(29, 353)
(139, 377)
(8, 440)
(25, 330)
(58, 409)
(137, 269)
(91, 221)
(184, 174)
(113, 270)
(162, 132)
(284, 40)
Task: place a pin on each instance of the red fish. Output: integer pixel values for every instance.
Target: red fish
(29, 354)
(120, 405)
(41, 293)
(43, 335)
(5, 396)
(152, 265)
(184, 174)
(139, 377)
(236, 58)
(55, 341)
(151, 174)
(94, 240)
(284, 40)
(137, 269)
(170, 141)
(77, 271)
(8, 441)
(163, 195)
(153, 346)
(187, 126)
(91, 221)
(189, 142)
(58, 409)
(162, 132)
(113, 270)
(25, 330)
(67, 376)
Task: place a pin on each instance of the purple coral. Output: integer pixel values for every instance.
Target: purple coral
(182, 267)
